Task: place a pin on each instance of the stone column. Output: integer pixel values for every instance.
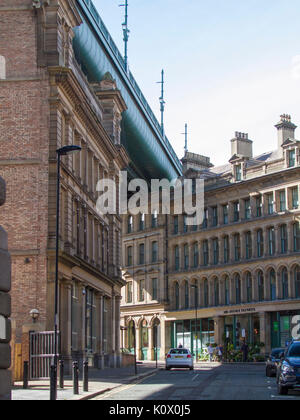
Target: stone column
(219, 329)
(138, 341)
(5, 309)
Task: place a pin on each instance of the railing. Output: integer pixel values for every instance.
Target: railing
(99, 22)
(41, 353)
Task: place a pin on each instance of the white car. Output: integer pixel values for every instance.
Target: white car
(179, 358)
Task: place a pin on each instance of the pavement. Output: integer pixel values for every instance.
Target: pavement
(100, 382)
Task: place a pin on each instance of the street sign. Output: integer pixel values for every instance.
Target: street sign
(2, 328)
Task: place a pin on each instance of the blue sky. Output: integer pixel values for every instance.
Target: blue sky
(230, 65)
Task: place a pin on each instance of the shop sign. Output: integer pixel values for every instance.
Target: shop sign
(276, 326)
(2, 328)
(239, 311)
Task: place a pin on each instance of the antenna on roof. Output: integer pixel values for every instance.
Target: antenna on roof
(126, 32)
(186, 138)
(162, 101)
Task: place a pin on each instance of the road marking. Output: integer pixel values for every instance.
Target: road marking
(195, 377)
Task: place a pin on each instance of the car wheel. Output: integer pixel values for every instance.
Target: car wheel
(282, 390)
(168, 368)
(191, 368)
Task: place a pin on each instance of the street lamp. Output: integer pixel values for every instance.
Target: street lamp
(195, 287)
(66, 150)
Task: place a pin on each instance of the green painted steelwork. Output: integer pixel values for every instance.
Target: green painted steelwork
(96, 52)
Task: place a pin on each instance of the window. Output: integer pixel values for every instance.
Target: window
(297, 281)
(296, 237)
(291, 158)
(154, 222)
(295, 198)
(205, 219)
(270, 201)
(285, 283)
(271, 237)
(283, 239)
(196, 255)
(248, 246)
(154, 252)
(215, 220)
(238, 173)
(225, 214)
(216, 251)
(247, 209)
(90, 321)
(186, 256)
(177, 296)
(216, 291)
(236, 211)
(205, 287)
(75, 317)
(249, 287)
(154, 289)
(185, 226)
(205, 253)
(272, 284)
(259, 206)
(282, 201)
(238, 289)
(237, 247)
(130, 224)
(226, 249)
(227, 291)
(261, 290)
(142, 221)
(129, 256)
(141, 290)
(260, 243)
(175, 225)
(129, 292)
(177, 261)
(142, 254)
(186, 295)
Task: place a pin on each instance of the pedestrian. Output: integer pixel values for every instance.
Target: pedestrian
(245, 350)
(210, 352)
(180, 346)
(220, 352)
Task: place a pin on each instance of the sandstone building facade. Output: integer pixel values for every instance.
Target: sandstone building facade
(238, 273)
(46, 102)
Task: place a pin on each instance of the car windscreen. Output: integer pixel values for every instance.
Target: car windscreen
(277, 352)
(294, 351)
(179, 351)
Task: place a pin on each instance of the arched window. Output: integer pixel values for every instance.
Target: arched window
(297, 281)
(272, 275)
(227, 291)
(131, 328)
(238, 289)
(186, 295)
(216, 291)
(205, 293)
(249, 287)
(261, 288)
(177, 296)
(285, 283)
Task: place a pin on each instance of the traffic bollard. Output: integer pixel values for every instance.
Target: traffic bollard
(25, 375)
(75, 379)
(61, 374)
(53, 383)
(85, 376)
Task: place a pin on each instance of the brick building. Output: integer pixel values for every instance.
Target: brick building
(238, 273)
(46, 102)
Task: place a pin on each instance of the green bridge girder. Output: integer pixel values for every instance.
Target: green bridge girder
(150, 151)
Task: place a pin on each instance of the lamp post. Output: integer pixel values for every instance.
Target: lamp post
(195, 287)
(66, 150)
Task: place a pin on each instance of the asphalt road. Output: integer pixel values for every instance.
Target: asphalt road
(227, 382)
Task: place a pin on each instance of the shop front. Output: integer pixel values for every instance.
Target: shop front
(282, 325)
(242, 328)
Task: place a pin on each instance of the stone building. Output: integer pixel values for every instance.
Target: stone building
(46, 103)
(238, 273)
(5, 309)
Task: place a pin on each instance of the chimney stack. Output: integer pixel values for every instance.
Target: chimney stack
(241, 145)
(286, 129)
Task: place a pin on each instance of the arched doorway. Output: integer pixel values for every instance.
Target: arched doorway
(144, 339)
(156, 337)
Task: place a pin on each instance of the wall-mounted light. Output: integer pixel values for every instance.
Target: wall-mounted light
(35, 313)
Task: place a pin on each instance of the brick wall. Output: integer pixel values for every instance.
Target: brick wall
(5, 309)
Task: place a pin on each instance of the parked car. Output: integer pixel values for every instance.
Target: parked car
(272, 362)
(288, 370)
(179, 358)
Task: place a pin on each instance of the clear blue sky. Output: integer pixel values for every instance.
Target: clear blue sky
(230, 65)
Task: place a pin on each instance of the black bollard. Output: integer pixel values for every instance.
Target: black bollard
(61, 374)
(75, 379)
(53, 382)
(25, 375)
(85, 376)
